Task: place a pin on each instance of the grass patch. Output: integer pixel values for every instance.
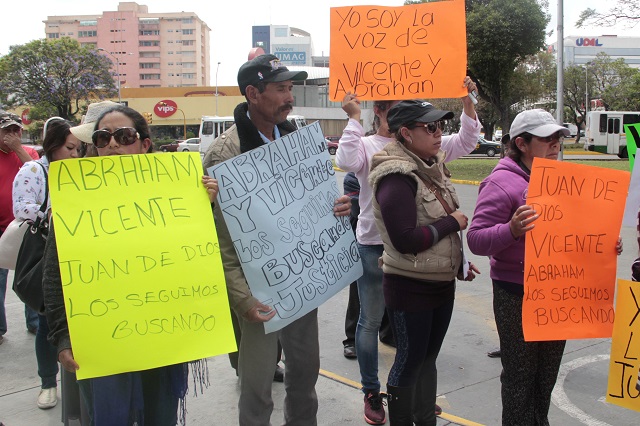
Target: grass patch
(474, 169)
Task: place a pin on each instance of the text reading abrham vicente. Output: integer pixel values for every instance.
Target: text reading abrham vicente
(570, 255)
(139, 262)
(407, 52)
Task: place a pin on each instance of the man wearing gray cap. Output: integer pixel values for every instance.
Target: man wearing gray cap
(267, 86)
(12, 156)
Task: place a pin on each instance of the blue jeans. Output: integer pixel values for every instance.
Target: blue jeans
(30, 315)
(46, 355)
(371, 312)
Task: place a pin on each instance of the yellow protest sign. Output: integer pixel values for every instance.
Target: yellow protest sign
(139, 261)
(570, 258)
(625, 348)
(406, 52)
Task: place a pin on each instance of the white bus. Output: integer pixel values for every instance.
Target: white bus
(212, 126)
(605, 131)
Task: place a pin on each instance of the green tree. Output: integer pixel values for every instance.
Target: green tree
(578, 83)
(501, 34)
(56, 73)
(625, 11)
(615, 83)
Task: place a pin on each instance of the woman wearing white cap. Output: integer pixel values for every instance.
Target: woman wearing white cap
(500, 223)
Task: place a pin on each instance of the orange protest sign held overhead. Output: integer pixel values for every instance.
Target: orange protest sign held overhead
(570, 255)
(407, 52)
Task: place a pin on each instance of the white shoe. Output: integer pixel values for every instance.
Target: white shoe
(48, 398)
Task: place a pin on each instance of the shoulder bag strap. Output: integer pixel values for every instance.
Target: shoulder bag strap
(434, 189)
(43, 207)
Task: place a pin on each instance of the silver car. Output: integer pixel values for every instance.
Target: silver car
(192, 144)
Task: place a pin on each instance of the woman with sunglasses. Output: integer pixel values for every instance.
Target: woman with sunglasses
(150, 397)
(416, 212)
(29, 192)
(354, 155)
(500, 223)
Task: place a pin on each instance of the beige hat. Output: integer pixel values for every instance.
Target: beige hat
(88, 123)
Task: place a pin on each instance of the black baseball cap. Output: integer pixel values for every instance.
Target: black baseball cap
(416, 110)
(266, 69)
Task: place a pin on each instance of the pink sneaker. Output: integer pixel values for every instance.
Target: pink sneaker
(373, 409)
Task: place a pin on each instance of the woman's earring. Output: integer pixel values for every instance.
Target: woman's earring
(410, 141)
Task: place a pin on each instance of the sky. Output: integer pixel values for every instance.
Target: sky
(231, 22)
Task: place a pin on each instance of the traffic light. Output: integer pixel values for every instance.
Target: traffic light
(148, 116)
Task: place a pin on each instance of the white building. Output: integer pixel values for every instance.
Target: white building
(292, 46)
(582, 49)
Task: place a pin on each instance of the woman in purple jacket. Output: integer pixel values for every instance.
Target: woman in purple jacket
(500, 222)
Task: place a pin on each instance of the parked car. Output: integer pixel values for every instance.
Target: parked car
(192, 144)
(170, 147)
(489, 148)
(332, 146)
(497, 135)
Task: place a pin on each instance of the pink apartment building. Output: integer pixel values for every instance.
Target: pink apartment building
(147, 49)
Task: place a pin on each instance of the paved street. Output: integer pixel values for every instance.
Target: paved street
(469, 383)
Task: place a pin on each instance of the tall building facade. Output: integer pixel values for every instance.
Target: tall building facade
(147, 49)
(292, 46)
(580, 50)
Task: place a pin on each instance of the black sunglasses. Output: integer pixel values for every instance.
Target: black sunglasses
(432, 127)
(123, 136)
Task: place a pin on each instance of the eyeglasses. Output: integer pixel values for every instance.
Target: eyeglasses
(557, 137)
(123, 136)
(433, 127)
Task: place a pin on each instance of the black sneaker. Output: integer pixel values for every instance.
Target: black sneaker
(373, 409)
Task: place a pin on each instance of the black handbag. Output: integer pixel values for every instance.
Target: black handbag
(27, 282)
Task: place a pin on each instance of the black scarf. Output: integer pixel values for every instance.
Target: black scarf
(247, 131)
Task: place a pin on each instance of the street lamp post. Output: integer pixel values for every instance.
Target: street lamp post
(586, 89)
(184, 120)
(100, 49)
(217, 67)
(184, 123)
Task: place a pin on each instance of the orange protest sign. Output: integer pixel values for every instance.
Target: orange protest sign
(625, 348)
(407, 52)
(570, 256)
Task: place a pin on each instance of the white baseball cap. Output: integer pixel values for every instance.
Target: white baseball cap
(88, 123)
(537, 122)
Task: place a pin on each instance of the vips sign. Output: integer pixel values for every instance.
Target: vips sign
(277, 201)
(570, 256)
(25, 116)
(139, 262)
(407, 52)
(165, 108)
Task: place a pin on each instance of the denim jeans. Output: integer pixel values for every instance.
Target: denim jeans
(371, 312)
(30, 315)
(46, 355)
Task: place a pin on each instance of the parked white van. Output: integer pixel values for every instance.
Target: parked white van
(210, 128)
